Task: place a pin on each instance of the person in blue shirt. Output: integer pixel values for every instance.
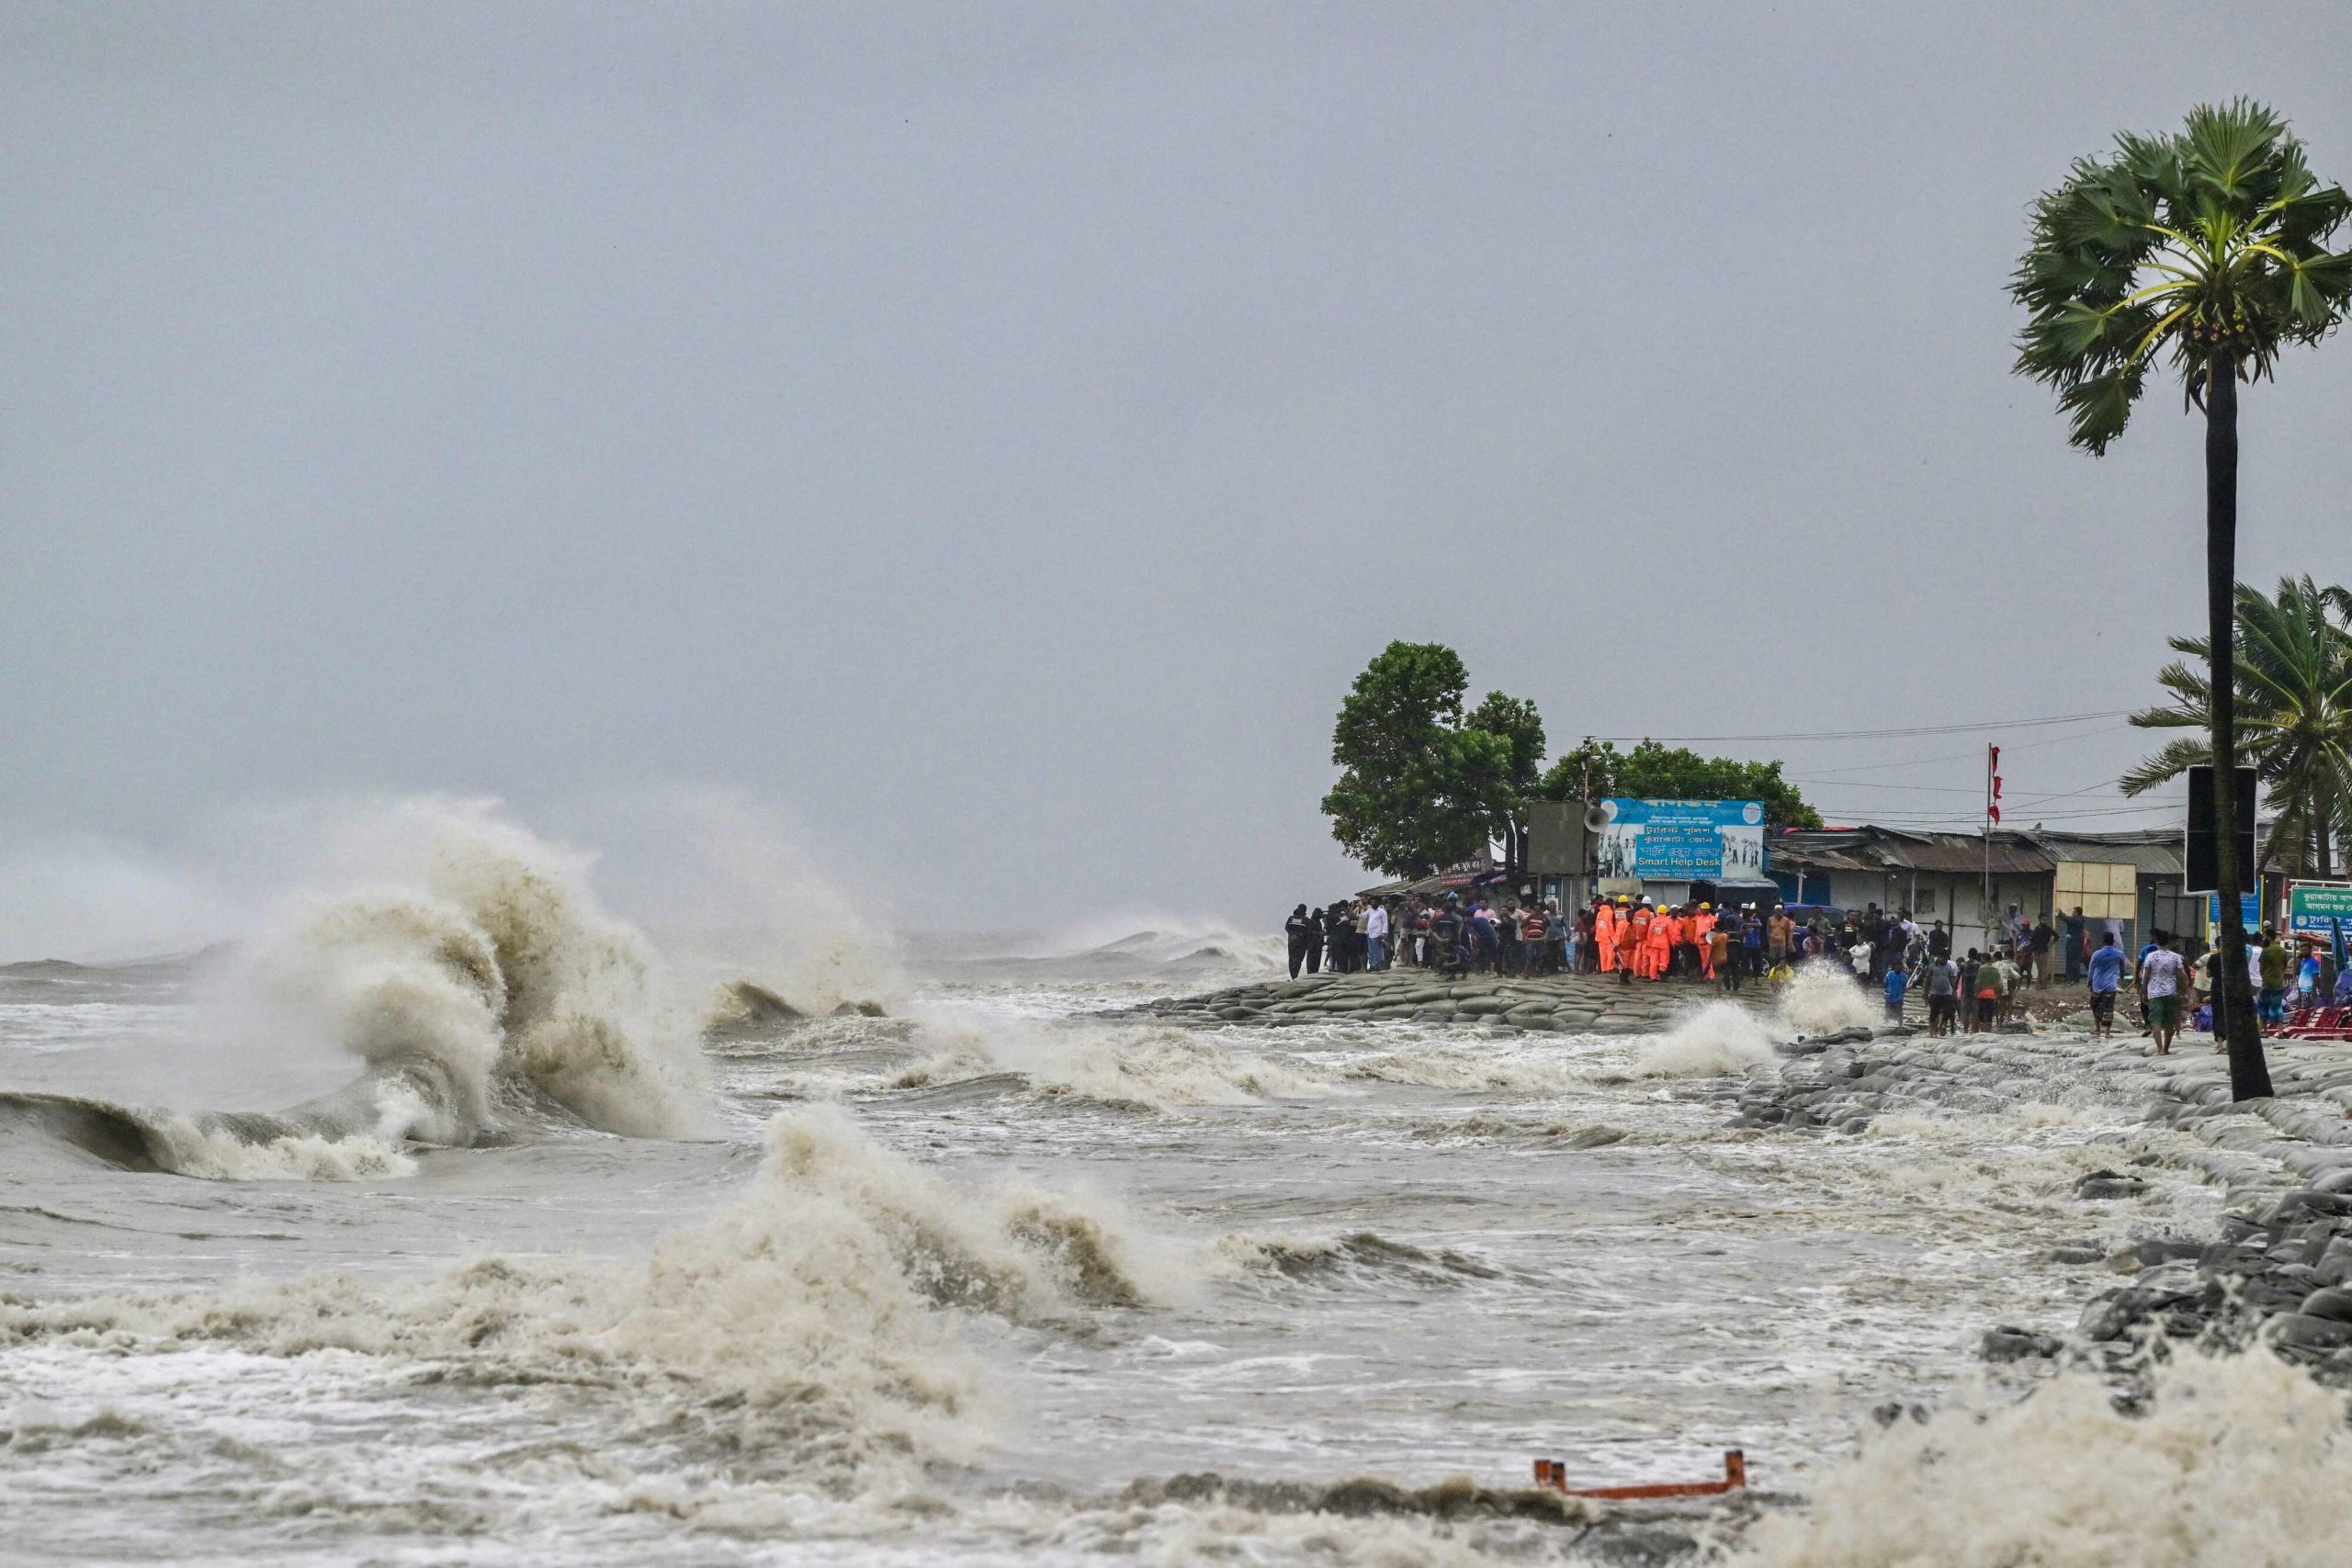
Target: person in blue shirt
(2107, 979)
(1898, 979)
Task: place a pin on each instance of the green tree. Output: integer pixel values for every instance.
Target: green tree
(1596, 770)
(1421, 785)
(2210, 244)
(2293, 661)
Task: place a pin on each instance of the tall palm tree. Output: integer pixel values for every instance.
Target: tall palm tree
(2294, 713)
(2211, 243)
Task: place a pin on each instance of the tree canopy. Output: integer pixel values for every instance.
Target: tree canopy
(1423, 785)
(1652, 771)
(2294, 716)
(2212, 242)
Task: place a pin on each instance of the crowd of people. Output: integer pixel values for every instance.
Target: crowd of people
(1966, 992)
(1448, 932)
(1631, 938)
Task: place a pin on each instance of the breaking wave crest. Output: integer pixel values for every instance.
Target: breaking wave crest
(1822, 997)
(220, 1147)
(1719, 1037)
(1360, 1254)
(488, 961)
(2236, 1459)
(818, 1307)
(1145, 1068)
(475, 978)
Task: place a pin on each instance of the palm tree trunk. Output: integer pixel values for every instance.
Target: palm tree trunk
(2249, 1073)
(2323, 813)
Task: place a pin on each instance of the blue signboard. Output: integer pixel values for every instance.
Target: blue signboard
(2249, 911)
(1682, 841)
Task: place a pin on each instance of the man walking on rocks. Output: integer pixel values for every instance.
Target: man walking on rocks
(2160, 973)
(1943, 991)
(2107, 979)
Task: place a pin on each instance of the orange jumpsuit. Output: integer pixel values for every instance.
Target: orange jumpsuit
(1662, 940)
(1604, 937)
(1638, 942)
(1703, 926)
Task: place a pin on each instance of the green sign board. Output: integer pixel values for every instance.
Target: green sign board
(2315, 907)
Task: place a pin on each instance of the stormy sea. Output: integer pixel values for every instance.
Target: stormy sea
(450, 1216)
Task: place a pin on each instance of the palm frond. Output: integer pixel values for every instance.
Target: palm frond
(2176, 757)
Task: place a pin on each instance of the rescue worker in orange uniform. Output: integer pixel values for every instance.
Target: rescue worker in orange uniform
(1662, 930)
(1702, 927)
(1604, 935)
(1635, 942)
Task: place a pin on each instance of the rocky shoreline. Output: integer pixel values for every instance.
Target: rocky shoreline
(1567, 1004)
(2279, 1270)
(2275, 1270)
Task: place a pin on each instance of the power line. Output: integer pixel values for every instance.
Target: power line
(1975, 819)
(1879, 733)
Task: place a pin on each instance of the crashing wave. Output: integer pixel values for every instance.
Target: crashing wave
(818, 1307)
(1134, 1070)
(1719, 1037)
(1822, 997)
(2233, 1459)
(481, 985)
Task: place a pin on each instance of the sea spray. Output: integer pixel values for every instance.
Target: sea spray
(729, 889)
(475, 952)
(2240, 1460)
(1150, 941)
(819, 1300)
(1143, 1068)
(1717, 1037)
(1822, 997)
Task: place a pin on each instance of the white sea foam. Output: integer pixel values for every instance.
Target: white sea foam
(814, 1298)
(1719, 1037)
(478, 950)
(2240, 1460)
(1143, 944)
(216, 1155)
(1822, 997)
(1154, 1068)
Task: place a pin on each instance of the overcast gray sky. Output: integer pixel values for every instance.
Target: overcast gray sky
(994, 436)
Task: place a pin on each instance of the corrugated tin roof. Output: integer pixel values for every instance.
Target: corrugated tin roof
(2154, 851)
(1888, 848)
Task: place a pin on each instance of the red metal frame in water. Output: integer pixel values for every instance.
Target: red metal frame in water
(1552, 1474)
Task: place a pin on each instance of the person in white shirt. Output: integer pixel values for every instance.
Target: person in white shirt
(1376, 932)
(2160, 973)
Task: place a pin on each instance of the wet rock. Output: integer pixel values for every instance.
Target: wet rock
(2165, 1249)
(2007, 1344)
(2305, 1333)
(2232, 1258)
(2075, 1253)
(2334, 1265)
(2110, 1184)
(2310, 1200)
(2329, 1302)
